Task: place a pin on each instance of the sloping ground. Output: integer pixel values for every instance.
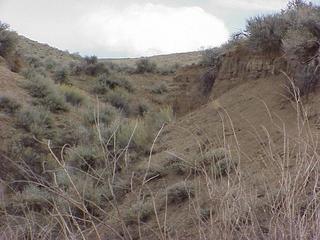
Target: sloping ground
(255, 119)
(162, 61)
(9, 83)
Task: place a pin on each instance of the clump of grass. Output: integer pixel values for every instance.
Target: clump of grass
(9, 105)
(179, 192)
(73, 95)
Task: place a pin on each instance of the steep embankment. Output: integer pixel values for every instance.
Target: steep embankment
(250, 112)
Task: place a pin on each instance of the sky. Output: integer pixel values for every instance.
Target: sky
(132, 28)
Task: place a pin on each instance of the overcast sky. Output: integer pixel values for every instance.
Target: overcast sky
(131, 28)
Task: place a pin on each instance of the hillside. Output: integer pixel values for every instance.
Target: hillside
(163, 61)
(129, 149)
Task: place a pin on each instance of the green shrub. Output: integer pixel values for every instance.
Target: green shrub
(34, 62)
(265, 33)
(219, 161)
(91, 59)
(137, 132)
(209, 56)
(50, 64)
(105, 115)
(119, 98)
(144, 65)
(73, 95)
(85, 157)
(179, 192)
(156, 119)
(35, 120)
(214, 155)
(46, 92)
(9, 105)
(160, 88)
(178, 166)
(61, 76)
(105, 81)
(8, 41)
(33, 198)
(143, 108)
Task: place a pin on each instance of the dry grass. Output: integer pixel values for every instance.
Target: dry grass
(228, 208)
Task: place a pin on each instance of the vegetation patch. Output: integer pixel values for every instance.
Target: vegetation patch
(139, 212)
(179, 192)
(73, 95)
(144, 65)
(9, 105)
(46, 92)
(160, 88)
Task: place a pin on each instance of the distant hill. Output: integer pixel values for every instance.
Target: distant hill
(182, 59)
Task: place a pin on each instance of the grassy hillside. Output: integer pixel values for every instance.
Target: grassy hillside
(225, 148)
(163, 61)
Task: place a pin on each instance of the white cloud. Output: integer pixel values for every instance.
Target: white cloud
(149, 29)
(260, 5)
(107, 29)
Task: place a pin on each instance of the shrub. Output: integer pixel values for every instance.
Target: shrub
(8, 41)
(105, 115)
(95, 69)
(142, 108)
(139, 212)
(34, 62)
(85, 157)
(55, 102)
(224, 167)
(46, 92)
(35, 120)
(137, 132)
(154, 120)
(61, 76)
(144, 65)
(178, 166)
(214, 155)
(9, 105)
(119, 98)
(106, 82)
(73, 95)
(91, 59)
(50, 64)
(219, 161)
(160, 88)
(209, 56)
(179, 192)
(34, 198)
(265, 33)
